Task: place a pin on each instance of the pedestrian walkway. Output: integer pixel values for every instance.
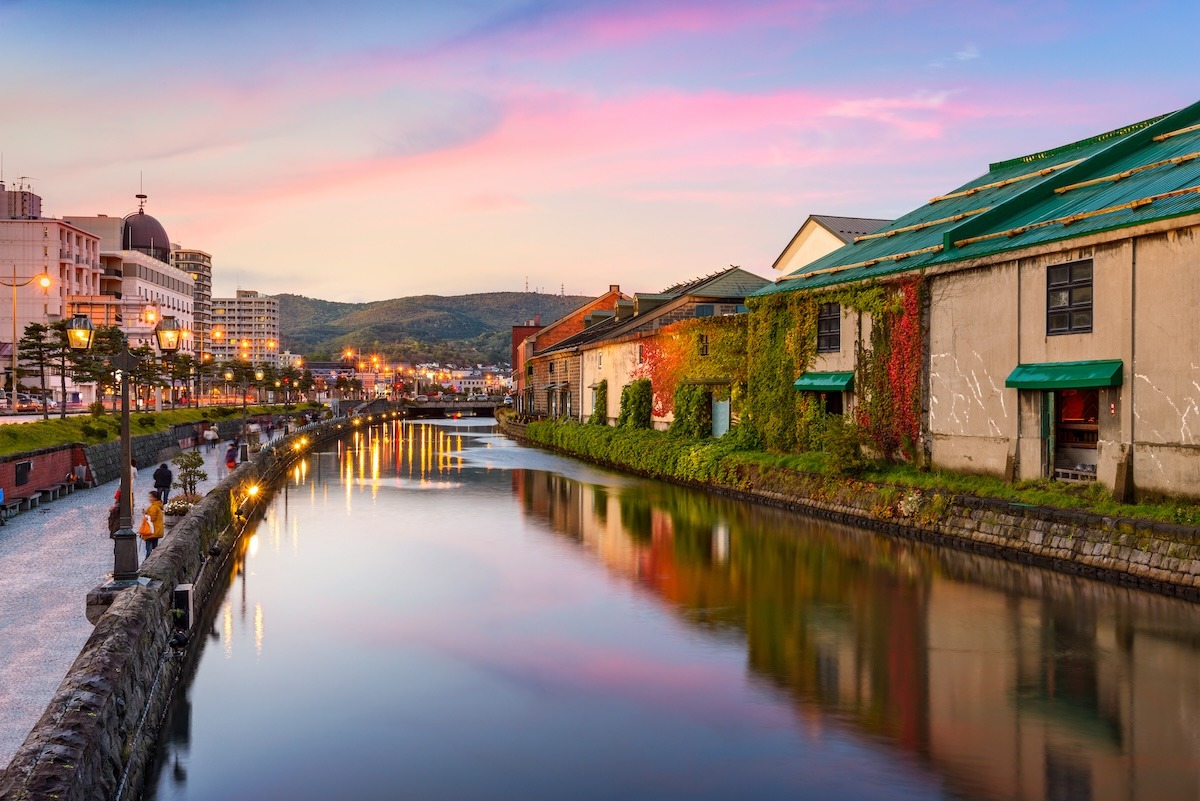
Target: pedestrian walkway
(50, 557)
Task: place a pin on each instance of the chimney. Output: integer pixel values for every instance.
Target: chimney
(614, 288)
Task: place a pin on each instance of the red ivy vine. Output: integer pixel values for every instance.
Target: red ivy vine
(888, 380)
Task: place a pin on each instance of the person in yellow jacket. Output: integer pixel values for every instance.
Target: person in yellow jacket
(152, 523)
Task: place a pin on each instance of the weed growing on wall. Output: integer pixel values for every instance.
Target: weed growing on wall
(599, 416)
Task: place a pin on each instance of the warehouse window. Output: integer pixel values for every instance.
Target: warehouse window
(1069, 298)
(829, 328)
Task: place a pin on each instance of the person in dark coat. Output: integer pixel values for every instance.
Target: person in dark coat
(162, 481)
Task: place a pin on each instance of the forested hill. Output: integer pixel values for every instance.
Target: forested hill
(459, 328)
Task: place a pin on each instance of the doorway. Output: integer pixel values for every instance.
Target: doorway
(1076, 432)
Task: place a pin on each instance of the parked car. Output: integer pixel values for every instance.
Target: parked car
(508, 400)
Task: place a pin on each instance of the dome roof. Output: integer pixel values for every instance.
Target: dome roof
(143, 233)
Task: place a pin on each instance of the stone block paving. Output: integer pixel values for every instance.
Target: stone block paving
(50, 557)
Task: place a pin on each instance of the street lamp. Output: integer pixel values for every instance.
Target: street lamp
(80, 335)
(43, 281)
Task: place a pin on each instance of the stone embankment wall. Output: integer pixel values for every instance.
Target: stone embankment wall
(95, 739)
(1162, 557)
(104, 459)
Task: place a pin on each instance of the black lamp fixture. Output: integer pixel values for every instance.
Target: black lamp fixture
(168, 334)
(80, 333)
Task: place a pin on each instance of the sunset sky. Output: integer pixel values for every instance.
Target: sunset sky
(362, 151)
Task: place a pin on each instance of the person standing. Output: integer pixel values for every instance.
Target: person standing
(162, 481)
(152, 523)
(210, 438)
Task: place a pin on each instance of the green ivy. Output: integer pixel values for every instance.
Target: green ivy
(782, 343)
(693, 411)
(637, 399)
(599, 415)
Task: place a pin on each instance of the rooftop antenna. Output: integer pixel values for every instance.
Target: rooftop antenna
(527, 284)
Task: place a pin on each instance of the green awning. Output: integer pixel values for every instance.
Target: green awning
(825, 382)
(1066, 375)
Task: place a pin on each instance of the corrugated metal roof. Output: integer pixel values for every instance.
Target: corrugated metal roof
(1131, 176)
(847, 228)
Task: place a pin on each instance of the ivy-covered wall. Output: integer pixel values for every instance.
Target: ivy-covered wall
(705, 349)
(781, 344)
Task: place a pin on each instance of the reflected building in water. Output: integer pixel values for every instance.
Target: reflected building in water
(1010, 682)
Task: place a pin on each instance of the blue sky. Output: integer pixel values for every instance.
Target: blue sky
(363, 151)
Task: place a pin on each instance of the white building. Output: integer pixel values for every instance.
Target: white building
(32, 246)
(246, 327)
(198, 265)
(139, 285)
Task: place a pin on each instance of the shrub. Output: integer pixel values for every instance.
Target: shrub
(693, 411)
(599, 415)
(96, 409)
(637, 399)
(189, 464)
(146, 420)
(843, 447)
(90, 431)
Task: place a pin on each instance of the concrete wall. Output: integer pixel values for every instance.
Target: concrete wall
(985, 320)
(1164, 381)
(100, 730)
(616, 366)
(972, 417)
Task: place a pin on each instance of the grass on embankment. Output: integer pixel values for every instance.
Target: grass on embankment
(89, 430)
(723, 461)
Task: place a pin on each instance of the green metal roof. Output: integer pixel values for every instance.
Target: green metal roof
(825, 382)
(1066, 375)
(1135, 170)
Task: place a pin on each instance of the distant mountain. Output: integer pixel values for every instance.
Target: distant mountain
(459, 328)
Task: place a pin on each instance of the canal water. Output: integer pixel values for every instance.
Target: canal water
(428, 611)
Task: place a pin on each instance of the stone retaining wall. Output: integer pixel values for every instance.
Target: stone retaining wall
(97, 736)
(104, 459)
(1162, 557)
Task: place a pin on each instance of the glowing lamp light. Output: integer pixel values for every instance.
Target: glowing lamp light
(44, 281)
(167, 333)
(252, 491)
(80, 333)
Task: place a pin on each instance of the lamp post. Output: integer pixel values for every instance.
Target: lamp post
(44, 282)
(80, 335)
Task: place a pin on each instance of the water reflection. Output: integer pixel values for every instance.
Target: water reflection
(1012, 682)
(452, 615)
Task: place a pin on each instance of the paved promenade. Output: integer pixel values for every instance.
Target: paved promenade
(50, 557)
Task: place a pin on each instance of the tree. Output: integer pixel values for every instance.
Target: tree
(181, 368)
(58, 336)
(305, 384)
(190, 473)
(40, 349)
(146, 374)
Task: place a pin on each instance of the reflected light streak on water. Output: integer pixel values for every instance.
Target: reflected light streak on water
(538, 628)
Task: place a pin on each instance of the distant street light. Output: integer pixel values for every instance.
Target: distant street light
(43, 281)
